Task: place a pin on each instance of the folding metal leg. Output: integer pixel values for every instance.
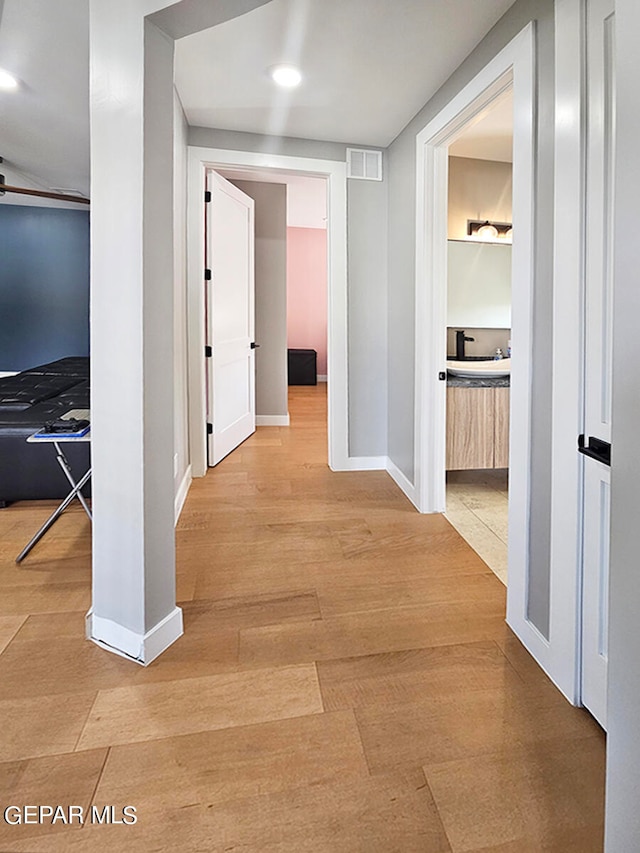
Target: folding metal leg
(66, 470)
(74, 493)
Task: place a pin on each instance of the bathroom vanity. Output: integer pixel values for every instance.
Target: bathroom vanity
(478, 312)
(477, 423)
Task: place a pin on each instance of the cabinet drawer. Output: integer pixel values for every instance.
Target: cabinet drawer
(477, 428)
(470, 428)
(501, 459)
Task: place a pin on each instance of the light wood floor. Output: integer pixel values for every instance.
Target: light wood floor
(346, 682)
(478, 508)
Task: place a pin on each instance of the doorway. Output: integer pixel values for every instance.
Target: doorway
(290, 286)
(511, 69)
(478, 346)
(334, 173)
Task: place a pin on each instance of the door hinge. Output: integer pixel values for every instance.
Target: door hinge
(207, 275)
(209, 429)
(207, 196)
(208, 352)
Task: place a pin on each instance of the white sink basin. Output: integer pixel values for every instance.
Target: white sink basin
(480, 369)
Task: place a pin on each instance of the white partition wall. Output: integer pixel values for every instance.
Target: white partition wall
(512, 67)
(134, 609)
(623, 744)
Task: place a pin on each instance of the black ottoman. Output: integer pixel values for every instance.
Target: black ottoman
(302, 367)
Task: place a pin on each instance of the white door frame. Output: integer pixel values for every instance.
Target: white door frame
(568, 348)
(201, 159)
(513, 66)
(567, 505)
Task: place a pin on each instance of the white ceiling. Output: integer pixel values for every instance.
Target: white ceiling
(491, 136)
(44, 132)
(306, 197)
(369, 66)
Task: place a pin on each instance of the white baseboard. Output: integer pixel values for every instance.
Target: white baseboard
(140, 648)
(403, 482)
(181, 493)
(362, 463)
(321, 378)
(4, 373)
(272, 420)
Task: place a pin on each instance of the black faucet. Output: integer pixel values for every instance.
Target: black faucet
(461, 338)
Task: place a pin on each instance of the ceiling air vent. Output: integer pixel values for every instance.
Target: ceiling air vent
(364, 165)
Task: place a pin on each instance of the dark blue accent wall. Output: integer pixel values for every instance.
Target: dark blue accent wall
(44, 285)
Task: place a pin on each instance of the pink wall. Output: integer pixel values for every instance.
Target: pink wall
(307, 291)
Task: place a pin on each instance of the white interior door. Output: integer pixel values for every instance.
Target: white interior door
(231, 410)
(598, 351)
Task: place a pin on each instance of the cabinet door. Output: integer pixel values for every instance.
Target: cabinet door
(501, 427)
(470, 428)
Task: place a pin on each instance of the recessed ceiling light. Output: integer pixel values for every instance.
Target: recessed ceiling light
(7, 81)
(287, 76)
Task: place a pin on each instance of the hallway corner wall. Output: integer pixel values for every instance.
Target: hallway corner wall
(367, 279)
(402, 249)
(181, 466)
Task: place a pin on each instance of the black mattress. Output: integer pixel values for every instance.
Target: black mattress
(27, 401)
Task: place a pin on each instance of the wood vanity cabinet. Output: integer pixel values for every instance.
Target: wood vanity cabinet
(501, 427)
(477, 428)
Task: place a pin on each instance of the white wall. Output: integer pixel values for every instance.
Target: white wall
(623, 743)
(132, 304)
(181, 469)
(402, 252)
(368, 292)
(132, 332)
(478, 189)
(306, 202)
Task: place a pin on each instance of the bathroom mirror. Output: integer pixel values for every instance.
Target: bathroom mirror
(479, 285)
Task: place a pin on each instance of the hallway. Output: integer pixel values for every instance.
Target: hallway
(346, 682)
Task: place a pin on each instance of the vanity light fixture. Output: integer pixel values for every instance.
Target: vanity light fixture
(493, 232)
(287, 76)
(8, 82)
(487, 232)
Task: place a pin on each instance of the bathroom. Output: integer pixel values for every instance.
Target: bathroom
(479, 333)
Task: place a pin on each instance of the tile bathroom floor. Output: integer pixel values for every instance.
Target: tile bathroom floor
(477, 506)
